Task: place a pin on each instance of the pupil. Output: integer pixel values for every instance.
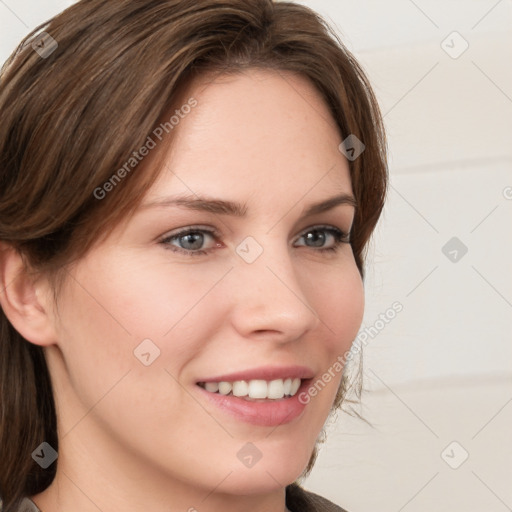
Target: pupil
(193, 238)
(317, 237)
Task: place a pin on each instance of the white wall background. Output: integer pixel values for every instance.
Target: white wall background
(441, 371)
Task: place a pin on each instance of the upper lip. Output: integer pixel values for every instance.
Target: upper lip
(264, 373)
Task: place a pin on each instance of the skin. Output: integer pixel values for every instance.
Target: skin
(135, 437)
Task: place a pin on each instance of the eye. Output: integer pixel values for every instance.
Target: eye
(319, 235)
(190, 241)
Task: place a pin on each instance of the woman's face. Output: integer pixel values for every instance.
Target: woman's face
(261, 294)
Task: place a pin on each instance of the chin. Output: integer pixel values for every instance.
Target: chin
(273, 471)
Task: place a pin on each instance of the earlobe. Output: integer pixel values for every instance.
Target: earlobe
(24, 299)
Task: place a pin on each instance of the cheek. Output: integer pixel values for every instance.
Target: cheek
(108, 309)
(339, 300)
(104, 316)
(96, 342)
(140, 299)
(153, 298)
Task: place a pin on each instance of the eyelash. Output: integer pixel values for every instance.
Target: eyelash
(340, 237)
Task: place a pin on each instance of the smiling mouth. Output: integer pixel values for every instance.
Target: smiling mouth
(256, 389)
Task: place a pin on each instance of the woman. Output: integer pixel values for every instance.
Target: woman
(188, 190)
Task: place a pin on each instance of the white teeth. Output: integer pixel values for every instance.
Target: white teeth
(256, 389)
(276, 388)
(287, 386)
(224, 388)
(212, 387)
(295, 386)
(240, 388)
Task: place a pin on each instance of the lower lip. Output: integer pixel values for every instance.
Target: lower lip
(270, 413)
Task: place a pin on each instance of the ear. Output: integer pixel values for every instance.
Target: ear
(25, 299)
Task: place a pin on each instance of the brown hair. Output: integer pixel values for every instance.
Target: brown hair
(71, 118)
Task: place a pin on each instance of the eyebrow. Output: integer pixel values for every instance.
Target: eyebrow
(223, 207)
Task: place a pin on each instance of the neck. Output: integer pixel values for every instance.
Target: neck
(101, 484)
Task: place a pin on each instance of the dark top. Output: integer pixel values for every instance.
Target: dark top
(300, 500)
(297, 500)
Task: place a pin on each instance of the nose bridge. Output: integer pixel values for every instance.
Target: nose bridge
(268, 292)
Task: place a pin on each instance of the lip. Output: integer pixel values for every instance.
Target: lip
(267, 373)
(264, 413)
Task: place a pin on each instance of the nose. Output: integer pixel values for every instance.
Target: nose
(268, 300)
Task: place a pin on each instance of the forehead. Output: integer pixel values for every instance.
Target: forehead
(254, 130)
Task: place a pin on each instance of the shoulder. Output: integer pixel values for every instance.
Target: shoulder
(300, 500)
